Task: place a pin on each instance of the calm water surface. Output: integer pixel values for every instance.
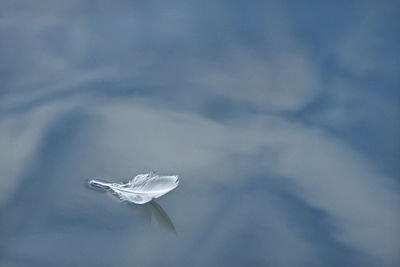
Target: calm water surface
(282, 121)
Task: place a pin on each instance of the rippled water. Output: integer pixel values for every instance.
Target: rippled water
(282, 121)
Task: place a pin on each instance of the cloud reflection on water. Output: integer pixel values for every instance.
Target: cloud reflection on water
(283, 126)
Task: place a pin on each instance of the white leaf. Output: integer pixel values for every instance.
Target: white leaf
(141, 189)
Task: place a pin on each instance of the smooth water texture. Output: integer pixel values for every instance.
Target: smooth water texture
(281, 119)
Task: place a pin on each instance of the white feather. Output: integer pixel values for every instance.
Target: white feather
(142, 188)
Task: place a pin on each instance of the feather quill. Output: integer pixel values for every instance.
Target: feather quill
(142, 188)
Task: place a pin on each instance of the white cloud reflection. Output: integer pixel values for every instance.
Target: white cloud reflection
(279, 82)
(360, 203)
(137, 83)
(326, 173)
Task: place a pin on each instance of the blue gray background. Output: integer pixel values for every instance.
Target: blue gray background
(281, 118)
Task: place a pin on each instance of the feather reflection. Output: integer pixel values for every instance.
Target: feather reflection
(153, 209)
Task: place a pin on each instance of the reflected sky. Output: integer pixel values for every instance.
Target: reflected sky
(281, 119)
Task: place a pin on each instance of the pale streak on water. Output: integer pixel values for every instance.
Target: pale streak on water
(281, 120)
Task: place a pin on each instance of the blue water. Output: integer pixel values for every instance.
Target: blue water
(281, 120)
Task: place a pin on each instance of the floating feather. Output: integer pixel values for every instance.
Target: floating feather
(142, 188)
